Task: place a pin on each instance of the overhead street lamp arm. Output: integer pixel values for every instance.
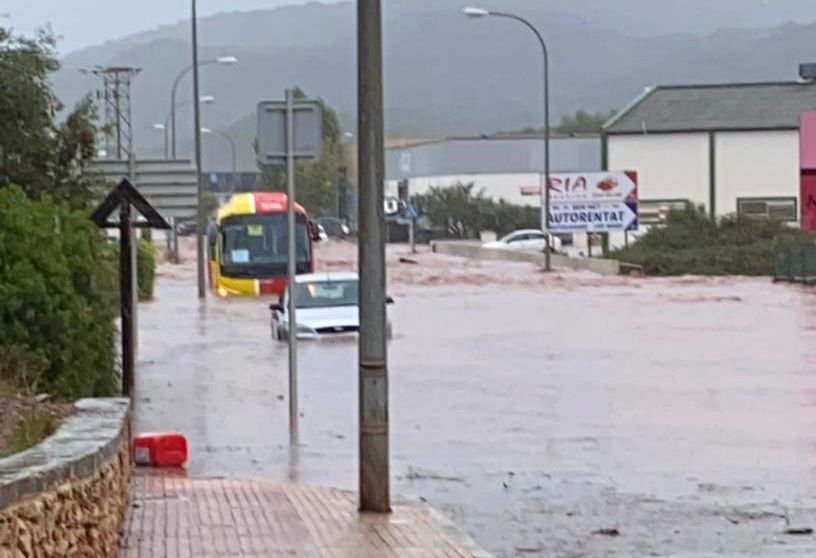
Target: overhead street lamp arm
(220, 60)
(545, 187)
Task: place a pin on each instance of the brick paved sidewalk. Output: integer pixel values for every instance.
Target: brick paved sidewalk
(177, 517)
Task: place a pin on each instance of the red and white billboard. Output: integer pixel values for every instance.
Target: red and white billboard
(591, 202)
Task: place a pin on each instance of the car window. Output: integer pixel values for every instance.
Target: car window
(518, 238)
(537, 236)
(324, 294)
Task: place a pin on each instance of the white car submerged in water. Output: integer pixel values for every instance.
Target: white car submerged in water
(526, 239)
(327, 305)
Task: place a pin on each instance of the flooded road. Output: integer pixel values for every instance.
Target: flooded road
(564, 415)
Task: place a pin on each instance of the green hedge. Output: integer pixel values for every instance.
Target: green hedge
(693, 243)
(57, 298)
(146, 268)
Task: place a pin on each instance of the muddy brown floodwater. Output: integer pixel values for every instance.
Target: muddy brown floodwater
(565, 415)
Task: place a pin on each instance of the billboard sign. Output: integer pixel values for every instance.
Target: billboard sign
(591, 202)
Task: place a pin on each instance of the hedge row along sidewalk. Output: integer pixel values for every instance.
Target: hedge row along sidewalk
(59, 299)
(691, 242)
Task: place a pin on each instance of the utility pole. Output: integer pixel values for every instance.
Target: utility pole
(115, 97)
(291, 265)
(373, 350)
(201, 217)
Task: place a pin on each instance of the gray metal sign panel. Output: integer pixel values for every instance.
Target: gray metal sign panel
(308, 131)
(171, 186)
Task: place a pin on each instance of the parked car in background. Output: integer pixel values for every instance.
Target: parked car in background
(327, 306)
(334, 227)
(322, 235)
(186, 228)
(526, 239)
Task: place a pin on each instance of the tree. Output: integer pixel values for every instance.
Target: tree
(459, 209)
(316, 182)
(36, 152)
(583, 122)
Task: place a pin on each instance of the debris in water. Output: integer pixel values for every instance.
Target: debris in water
(607, 532)
(799, 531)
(408, 261)
(530, 549)
(414, 474)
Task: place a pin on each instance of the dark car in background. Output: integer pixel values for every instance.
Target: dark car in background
(334, 227)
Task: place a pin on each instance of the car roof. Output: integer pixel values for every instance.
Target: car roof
(526, 231)
(326, 276)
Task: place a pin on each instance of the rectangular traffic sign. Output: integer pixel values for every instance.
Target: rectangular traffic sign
(593, 216)
(307, 132)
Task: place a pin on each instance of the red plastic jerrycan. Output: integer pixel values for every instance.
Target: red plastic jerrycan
(160, 449)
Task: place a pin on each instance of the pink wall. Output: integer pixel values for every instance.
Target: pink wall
(807, 140)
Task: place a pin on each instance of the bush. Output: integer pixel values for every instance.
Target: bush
(463, 212)
(692, 242)
(146, 268)
(57, 296)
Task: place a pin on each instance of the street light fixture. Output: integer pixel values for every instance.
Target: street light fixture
(222, 60)
(544, 189)
(476, 12)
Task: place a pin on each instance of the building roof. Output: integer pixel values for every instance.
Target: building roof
(493, 155)
(716, 107)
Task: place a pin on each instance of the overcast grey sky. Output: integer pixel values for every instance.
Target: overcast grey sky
(83, 23)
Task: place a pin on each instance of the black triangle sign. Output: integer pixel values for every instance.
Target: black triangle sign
(125, 192)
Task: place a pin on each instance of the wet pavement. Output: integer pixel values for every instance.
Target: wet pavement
(563, 415)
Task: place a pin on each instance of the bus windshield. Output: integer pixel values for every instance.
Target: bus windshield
(261, 239)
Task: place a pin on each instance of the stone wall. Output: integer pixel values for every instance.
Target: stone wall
(67, 496)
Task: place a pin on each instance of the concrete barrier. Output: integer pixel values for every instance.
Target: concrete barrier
(474, 250)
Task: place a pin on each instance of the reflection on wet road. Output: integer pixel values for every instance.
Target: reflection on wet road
(540, 413)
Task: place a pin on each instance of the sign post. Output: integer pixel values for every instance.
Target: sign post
(289, 131)
(291, 265)
(126, 197)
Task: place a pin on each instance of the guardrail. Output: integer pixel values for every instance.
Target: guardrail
(795, 263)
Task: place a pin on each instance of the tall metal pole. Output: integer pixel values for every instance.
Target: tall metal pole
(183, 73)
(546, 219)
(544, 190)
(291, 267)
(373, 351)
(201, 221)
(166, 142)
(126, 289)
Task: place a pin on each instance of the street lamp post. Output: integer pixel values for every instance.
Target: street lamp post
(544, 190)
(163, 128)
(205, 99)
(234, 152)
(226, 60)
(200, 217)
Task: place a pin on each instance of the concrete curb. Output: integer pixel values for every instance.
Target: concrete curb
(474, 250)
(456, 533)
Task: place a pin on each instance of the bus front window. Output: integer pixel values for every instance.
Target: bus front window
(260, 240)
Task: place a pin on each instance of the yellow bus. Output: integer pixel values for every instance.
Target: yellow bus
(248, 245)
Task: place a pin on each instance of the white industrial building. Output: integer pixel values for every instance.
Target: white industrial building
(732, 148)
(505, 167)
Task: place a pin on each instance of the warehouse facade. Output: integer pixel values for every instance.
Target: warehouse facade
(731, 148)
